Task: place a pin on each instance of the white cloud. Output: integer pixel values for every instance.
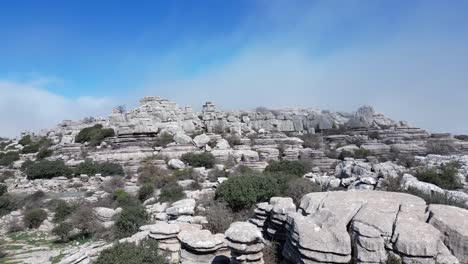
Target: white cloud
(28, 106)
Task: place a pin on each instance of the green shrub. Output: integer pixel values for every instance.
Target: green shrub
(32, 148)
(392, 184)
(163, 139)
(25, 140)
(46, 169)
(445, 177)
(91, 167)
(150, 174)
(300, 187)
(3, 189)
(33, 218)
(220, 217)
(294, 167)
(6, 159)
(146, 191)
(84, 219)
(9, 203)
(122, 197)
(356, 154)
(204, 159)
(461, 137)
(233, 140)
(94, 135)
(171, 192)
(44, 153)
(63, 210)
(185, 174)
(130, 220)
(241, 192)
(147, 252)
(63, 231)
(312, 141)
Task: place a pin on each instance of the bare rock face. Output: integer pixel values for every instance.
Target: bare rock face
(182, 207)
(200, 246)
(452, 222)
(368, 226)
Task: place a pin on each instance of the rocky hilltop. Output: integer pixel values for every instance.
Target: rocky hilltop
(261, 186)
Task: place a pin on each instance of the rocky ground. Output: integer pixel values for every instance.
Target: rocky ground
(382, 190)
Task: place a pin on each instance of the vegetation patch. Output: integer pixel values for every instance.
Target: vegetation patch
(445, 177)
(91, 167)
(46, 169)
(94, 135)
(204, 159)
(146, 252)
(294, 167)
(7, 158)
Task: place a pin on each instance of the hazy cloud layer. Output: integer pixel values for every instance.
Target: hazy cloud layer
(28, 106)
(413, 71)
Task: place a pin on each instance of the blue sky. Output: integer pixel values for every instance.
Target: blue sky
(69, 59)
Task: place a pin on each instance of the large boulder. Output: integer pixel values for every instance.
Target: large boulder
(452, 222)
(201, 140)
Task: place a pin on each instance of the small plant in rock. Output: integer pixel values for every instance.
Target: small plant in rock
(171, 192)
(219, 217)
(204, 159)
(46, 169)
(33, 218)
(94, 135)
(295, 167)
(63, 210)
(299, 187)
(62, 231)
(84, 219)
(272, 252)
(113, 184)
(150, 174)
(185, 174)
(241, 192)
(444, 177)
(146, 191)
(25, 140)
(44, 153)
(129, 221)
(312, 141)
(392, 184)
(163, 139)
(147, 252)
(6, 159)
(3, 189)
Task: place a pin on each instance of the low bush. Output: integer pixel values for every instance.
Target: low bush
(445, 177)
(312, 141)
(6, 175)
(146, 191)
(46, 169)
(113, 184)
(299, 187)
(233, 140)
(163, 139)
(35, 145)
(62, 210)
(33, 218)
(129, 221)
(3, 189)
(84, 219)
(171, 192)
(9, 203)
(295, 167)
(91, 167)
(153, 175)
(219, 217)
(272, 252)
(63, 231)
(241, 192)
(32, 148)
(392, 184)
(7, 158)
(94, 135)
(461, 137)
(147, 252)
(25, 140)
(185, 174)
(356, 154)
(122, 197)
(44, 153)
(204, 159)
